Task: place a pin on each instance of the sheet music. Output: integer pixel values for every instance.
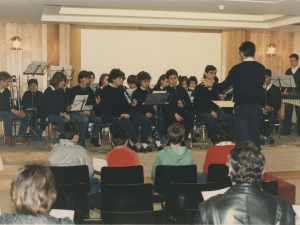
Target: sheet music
(98, 164)
(62, 213)
(68, 71)
(37, 67)
(208, 194)
(78, 101)
(159, 92)
(224, 104)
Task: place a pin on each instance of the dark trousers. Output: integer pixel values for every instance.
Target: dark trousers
(187, 122)
(266, 128)
(146, 123)
(247, 120)
(288, 113)
(126, 124)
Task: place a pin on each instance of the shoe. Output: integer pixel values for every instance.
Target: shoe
(21, 141)
(262, 141)
(159, 148)
(55, 141)
(271, 140)
(133, 148)
(8, 142)
(95, 142)
(147, 149)
(194, 140)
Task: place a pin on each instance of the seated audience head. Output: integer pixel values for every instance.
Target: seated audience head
(83, 77)
(58, 80)
(132, 81)
(5, 79)
(247, 49)
(92, 77)
(175, 134)
(193, 82)
(246, 163)
(33, 85)
(103, 80)
(70, 131)
(184, 82)
(120, 137)
(144, 79)
(116, 76)
(172, 77)
(33, 190)
(225, 132)
(162, 81)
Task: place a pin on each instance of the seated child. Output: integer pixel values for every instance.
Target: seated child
(121, 155)
(175, 154)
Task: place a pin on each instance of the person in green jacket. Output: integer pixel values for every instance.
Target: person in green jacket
(175, 154)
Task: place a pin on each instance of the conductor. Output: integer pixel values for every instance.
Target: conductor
(247, 79)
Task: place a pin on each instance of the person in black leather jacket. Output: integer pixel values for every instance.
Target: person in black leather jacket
(245, 202)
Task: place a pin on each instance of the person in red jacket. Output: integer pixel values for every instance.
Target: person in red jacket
(218, 154)
(121, 155)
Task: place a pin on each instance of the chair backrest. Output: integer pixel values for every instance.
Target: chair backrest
(71, 175)
(270, 186)
(218, 173)
(147, 217)
(164, 175)
(186, 196)
(72, 197)
(127, 198)
(122, 175)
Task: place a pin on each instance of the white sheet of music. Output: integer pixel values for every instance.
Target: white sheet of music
(224, 104)
(62, 213)
(208, 194)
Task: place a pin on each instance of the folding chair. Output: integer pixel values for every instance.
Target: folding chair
(183, 196)
(218, 173)
(146, 217)
(164, 175)
(127, 198)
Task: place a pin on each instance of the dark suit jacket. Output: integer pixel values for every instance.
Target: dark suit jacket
(272, 98)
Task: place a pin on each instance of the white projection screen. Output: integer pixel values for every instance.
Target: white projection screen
(152, 51)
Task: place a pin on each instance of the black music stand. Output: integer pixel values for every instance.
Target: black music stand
(158, 99)
(35, 68)
(67, 70)
(283, 81)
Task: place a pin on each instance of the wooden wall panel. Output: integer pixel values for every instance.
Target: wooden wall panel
(75, 58)
(52, 45)
(64, 44)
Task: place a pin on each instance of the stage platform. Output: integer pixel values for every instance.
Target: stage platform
(282, 161)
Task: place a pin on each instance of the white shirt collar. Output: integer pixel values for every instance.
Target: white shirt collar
(224, 143)
(143, 88)
(249, 59)
(269, 86)
(2, 90)
(294, 69)
(53, 89)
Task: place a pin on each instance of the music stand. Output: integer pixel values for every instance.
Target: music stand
(158, 99)
(286, 81)
(79, 103)
(67, 70)
(35, 68)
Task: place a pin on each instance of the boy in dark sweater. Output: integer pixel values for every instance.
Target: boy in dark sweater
(207, 110)
(147, 112)
(31, 102)
(180, 106)
(8, 113)
(247, 79)
(86, 116)
(115, 107)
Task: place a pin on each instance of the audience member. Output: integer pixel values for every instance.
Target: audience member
(271, 104)
(245, 202)
(69, 153)
(175, 154)
(218, 154)
(121, 155)
(8, 112)
(33, 193)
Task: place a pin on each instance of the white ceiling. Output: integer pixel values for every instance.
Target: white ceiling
(201, 14)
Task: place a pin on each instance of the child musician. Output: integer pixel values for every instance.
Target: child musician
(161, 83)
(54, 107)
(147, 112)
(115, 108)
(180, 105)
(31, 101)
(86, 116)
(8, 113)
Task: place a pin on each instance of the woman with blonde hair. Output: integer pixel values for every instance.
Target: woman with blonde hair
(33, 193)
